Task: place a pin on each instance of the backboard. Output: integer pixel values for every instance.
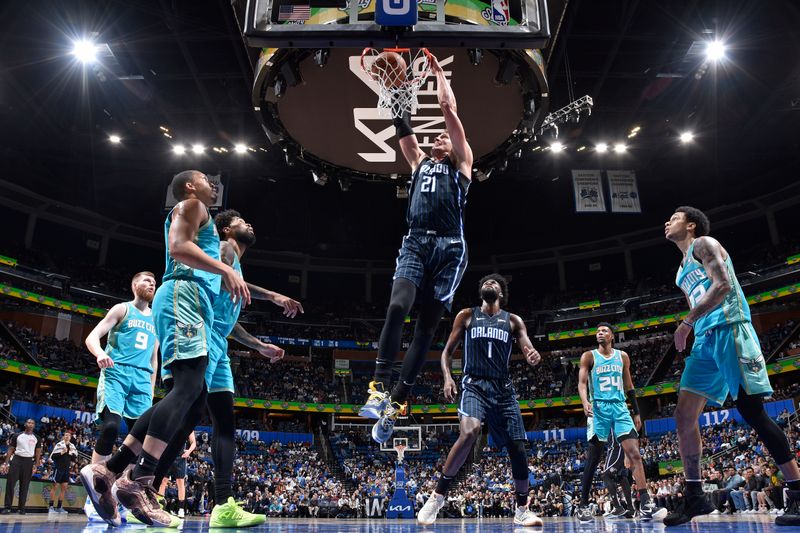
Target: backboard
(497, 24)
(409, 436)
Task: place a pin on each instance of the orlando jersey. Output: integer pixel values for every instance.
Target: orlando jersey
(226, 312)
(208, 240)
(606, 383)
(437, 198)
(132, 340)
(694, 282)
(487, 345)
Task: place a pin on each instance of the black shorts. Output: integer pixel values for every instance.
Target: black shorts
(434, 264)
(61, 476)
(493, 401)
(178, 469)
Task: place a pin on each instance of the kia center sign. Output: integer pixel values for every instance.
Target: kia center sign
(328, 116)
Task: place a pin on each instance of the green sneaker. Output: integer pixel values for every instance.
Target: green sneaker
(230, 514)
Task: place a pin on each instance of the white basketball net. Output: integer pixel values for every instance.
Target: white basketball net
(397, 90)
(401, 451)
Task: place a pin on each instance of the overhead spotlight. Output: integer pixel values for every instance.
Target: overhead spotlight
(536, 148)
(556, 147)
(715, 51)
(601, 148)
(114, 139)
(167, 135)
(581, 148)
(198, 149)
(319, 179)
(636, 129)
(85, 51)
(620, 148)
(686, 136)
(321, 57)
(163, 128)
(633, 134)
(240, 148)
(179, 149)
(475, 56)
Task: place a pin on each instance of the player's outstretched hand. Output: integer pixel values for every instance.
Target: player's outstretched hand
(450, 390)
(532, 356)
(681, 334)
(436, 68)
(104, 361)
(275, 353)
(236, 286)
(290, 307)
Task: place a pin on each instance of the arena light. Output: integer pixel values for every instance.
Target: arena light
(240, 148)
(715, 51)
(198, 149)
(556, 147)
(686, 137)
(114, 139)
(581, 148)
(601, 148)
(179, 149)
(85, 51)
(620, 148)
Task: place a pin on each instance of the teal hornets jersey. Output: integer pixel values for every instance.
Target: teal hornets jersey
(694, 282)
(605, 383)
(132, 340)
(226, 312)
(208, 240)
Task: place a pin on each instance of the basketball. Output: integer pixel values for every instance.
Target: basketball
(389, 68)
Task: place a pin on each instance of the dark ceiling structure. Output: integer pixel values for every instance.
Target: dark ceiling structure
(177, 71)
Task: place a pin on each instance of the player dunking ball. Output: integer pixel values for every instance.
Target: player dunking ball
(183, 314)
(432, 259)
(607, 373)
(127, 367)
(488, 333)
(725, 359)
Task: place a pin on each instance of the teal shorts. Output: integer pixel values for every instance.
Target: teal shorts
(723, 359)
(126, 390)
(610, 416)
(183, 315)
(219, 376)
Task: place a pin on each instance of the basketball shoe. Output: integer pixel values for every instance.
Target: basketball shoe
(427, 515)
(384, 427)
(791, 517)
(138, 496)
(231, 514)
(687, 508)
(585, 513)
(98, 481)
(527, 518)
(377, 402)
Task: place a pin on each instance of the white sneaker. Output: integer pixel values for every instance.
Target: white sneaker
(525, 517)
(51, 510)
(427, 515)
(714, 512)
(774, 511)
(91, 513)
(181, 513)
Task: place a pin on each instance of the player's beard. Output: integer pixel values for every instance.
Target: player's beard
(489, 295)
(144, 294)
(245, 237)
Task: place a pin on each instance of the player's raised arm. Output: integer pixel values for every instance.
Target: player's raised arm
(520, 332)
(630, 390)
(408, 141)
(447, 101)
(114, 317)
(587, 361)
(460, 324)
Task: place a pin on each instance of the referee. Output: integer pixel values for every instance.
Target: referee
(24, 451)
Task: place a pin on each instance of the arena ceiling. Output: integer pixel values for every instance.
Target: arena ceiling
(182, 65)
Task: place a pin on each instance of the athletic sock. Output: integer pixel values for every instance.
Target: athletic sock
(694, 488)
(145, 466)
(793, 484)
(444, 484)
(383, 372)
(51, 503)
(120, 460)
(522, 498)
(644, 496)
(60, 502)
(401, 391)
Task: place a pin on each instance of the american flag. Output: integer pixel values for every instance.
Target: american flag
(294, 12)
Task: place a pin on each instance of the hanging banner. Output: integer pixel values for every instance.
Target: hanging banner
(624, 191)
(589, 197)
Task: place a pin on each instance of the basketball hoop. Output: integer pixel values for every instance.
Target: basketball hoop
(399, 73)
(401, 450)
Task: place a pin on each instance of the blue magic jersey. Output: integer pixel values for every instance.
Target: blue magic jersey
(437, 198)
(694, 282)
(226, 311)
(487, 345)
(605, 383)
(132, 340)
(208, 240)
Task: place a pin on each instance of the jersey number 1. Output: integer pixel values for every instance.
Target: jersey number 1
(141, 341)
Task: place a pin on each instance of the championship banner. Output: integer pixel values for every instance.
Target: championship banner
(589, 197)
(624, 191)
